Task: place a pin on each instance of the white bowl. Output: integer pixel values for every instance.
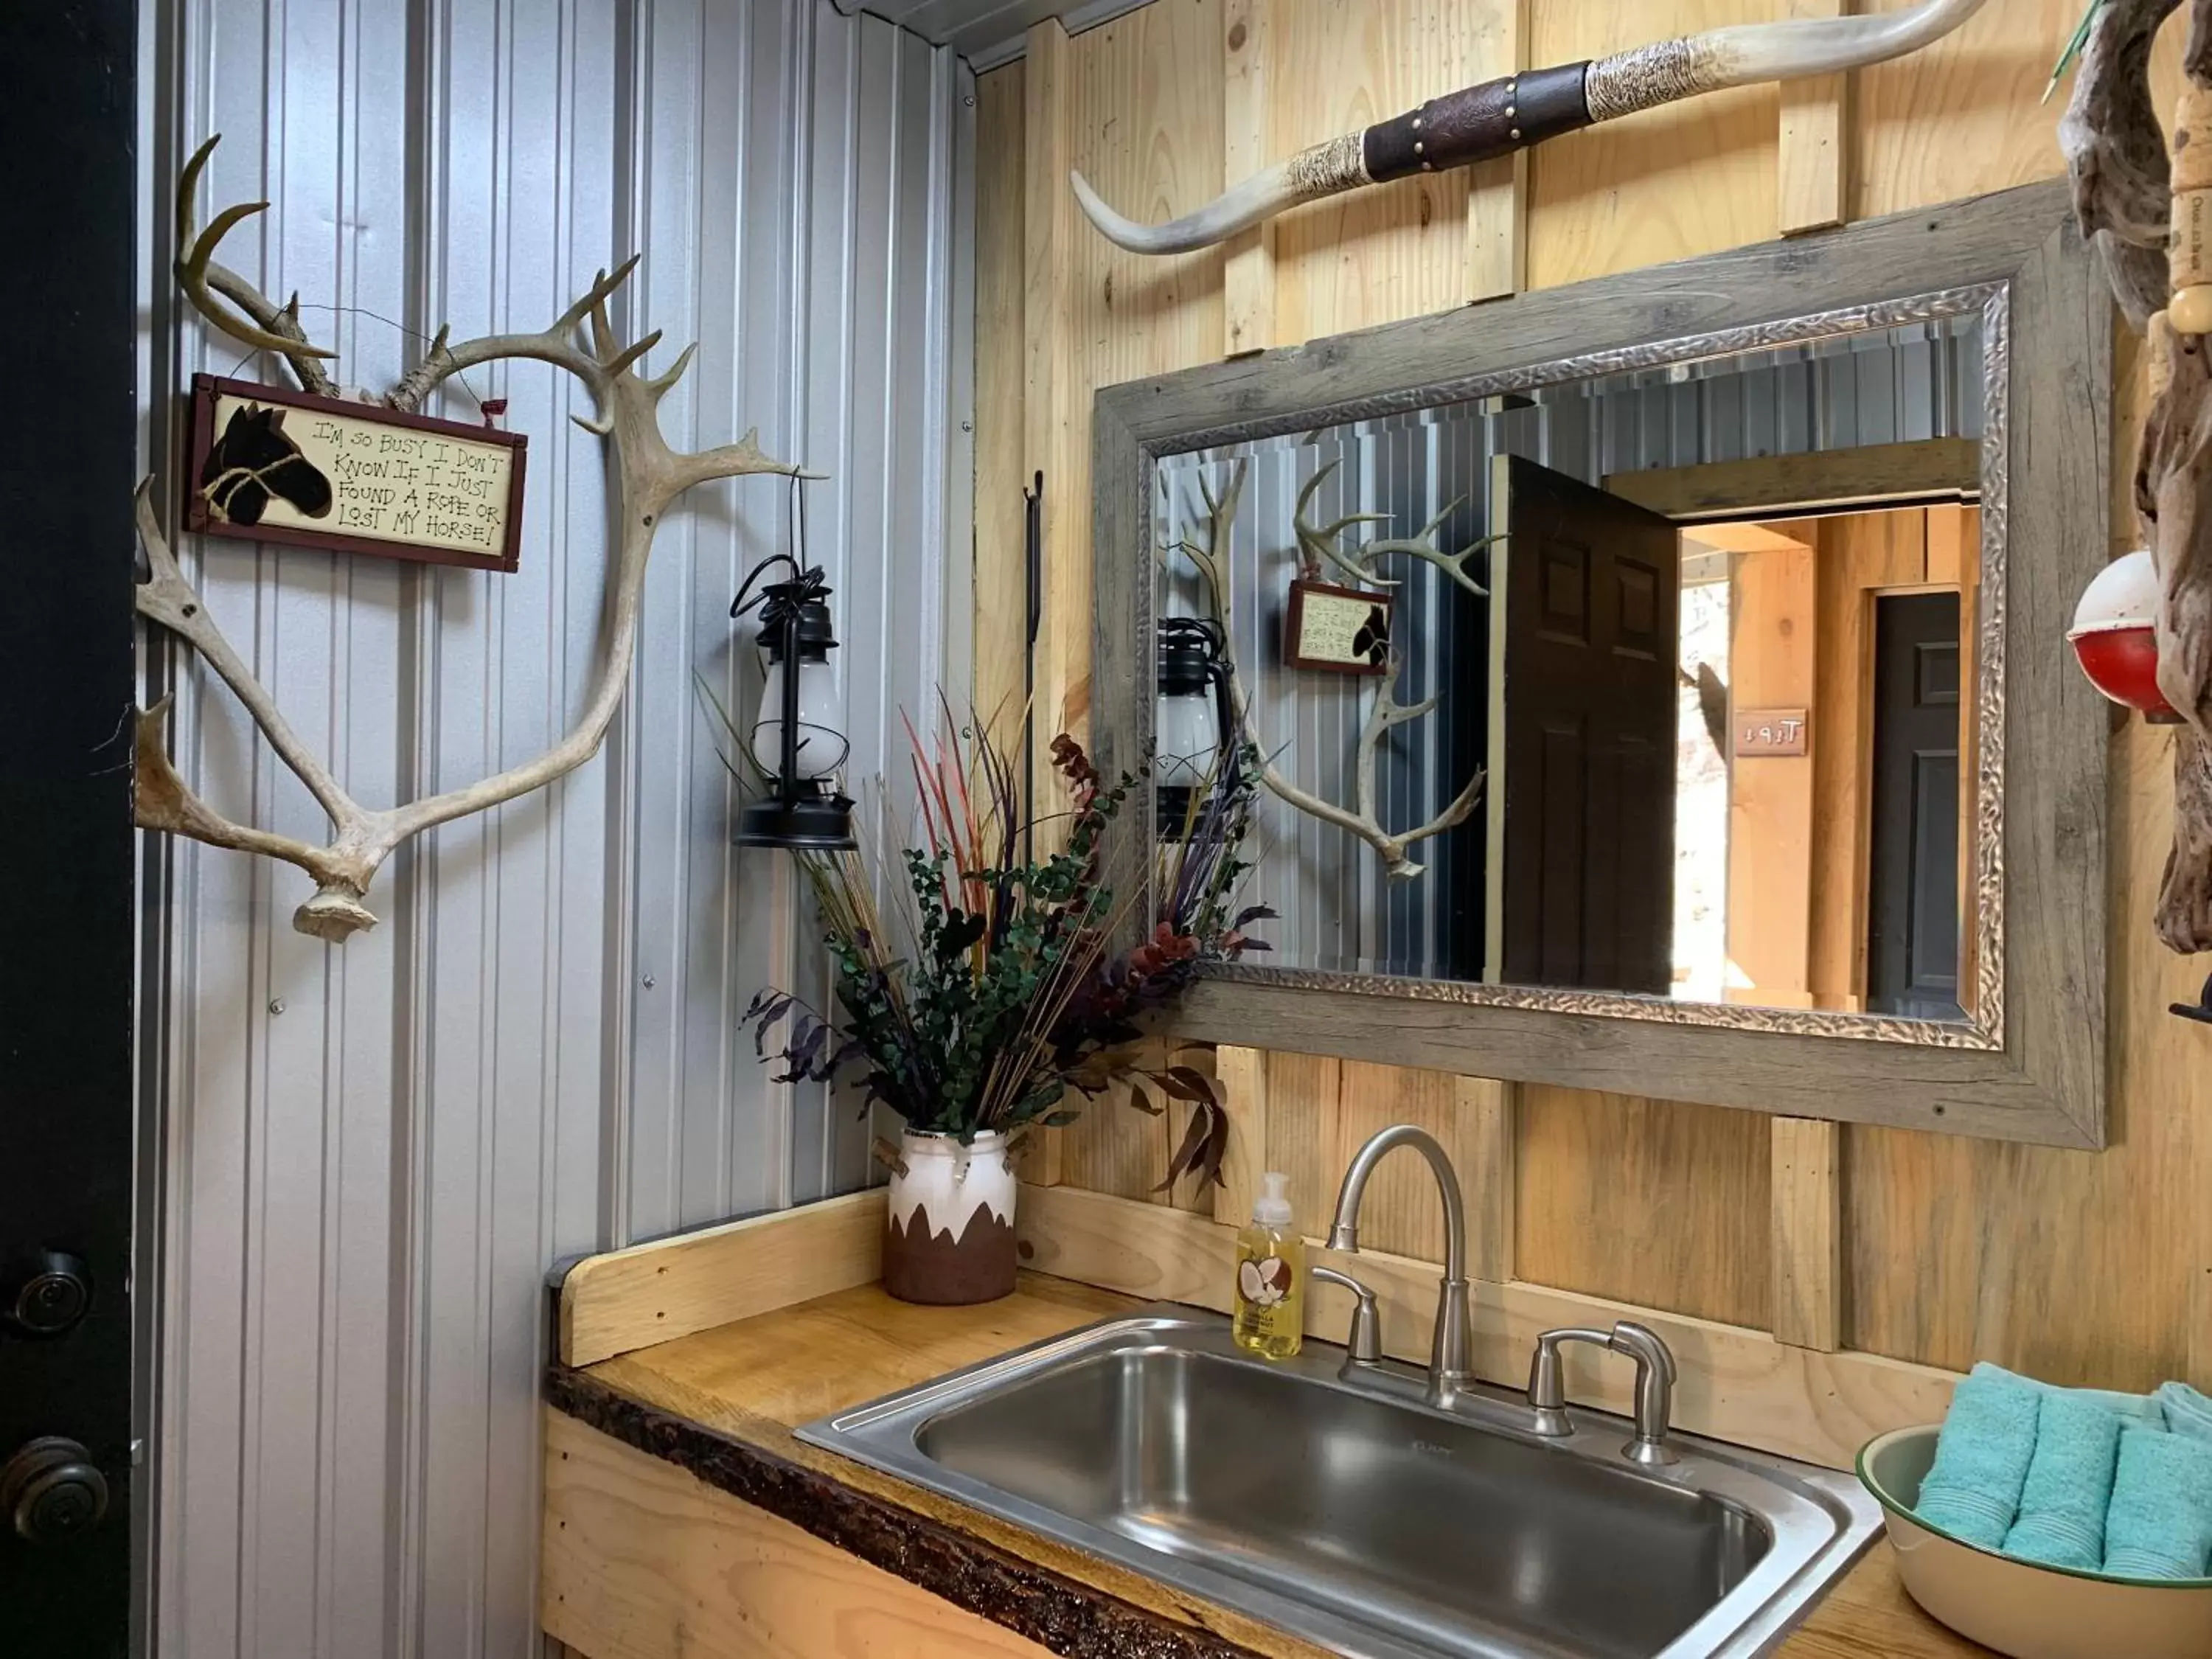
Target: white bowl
(2026, 1610)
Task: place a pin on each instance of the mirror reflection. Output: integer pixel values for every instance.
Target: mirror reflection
(1661, 682)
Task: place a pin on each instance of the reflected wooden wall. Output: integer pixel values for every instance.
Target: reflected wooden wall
(2080, 1266)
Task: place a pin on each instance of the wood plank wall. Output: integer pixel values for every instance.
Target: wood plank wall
(2082, 1268)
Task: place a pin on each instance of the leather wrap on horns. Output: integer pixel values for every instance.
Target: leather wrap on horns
(1517, 111)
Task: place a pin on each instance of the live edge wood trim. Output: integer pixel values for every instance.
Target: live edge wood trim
(1736, 1384)
(656, 1292)
(662, 1538)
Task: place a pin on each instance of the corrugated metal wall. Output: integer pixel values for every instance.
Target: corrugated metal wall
(1338, 913)
(375, 1152)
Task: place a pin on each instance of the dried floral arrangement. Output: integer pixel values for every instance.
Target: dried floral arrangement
(987, 993)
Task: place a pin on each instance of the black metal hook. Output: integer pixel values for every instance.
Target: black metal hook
(2200, 1011)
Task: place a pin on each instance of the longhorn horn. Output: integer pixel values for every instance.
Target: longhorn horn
(1517, 112)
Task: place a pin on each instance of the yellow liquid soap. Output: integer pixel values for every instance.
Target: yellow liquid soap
(1270, 1276)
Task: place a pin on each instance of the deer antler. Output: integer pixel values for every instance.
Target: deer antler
(268, 327)
(649, 475)
(1362, 818)
(1318, 543)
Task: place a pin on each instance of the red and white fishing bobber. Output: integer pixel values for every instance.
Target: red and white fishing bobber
(2115, 635)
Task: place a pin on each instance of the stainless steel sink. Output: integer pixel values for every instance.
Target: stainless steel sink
(1347, 1511)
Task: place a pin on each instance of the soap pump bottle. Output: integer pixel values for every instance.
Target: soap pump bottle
(1271, 1258)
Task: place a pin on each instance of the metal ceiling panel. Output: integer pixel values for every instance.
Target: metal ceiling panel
(987, 32)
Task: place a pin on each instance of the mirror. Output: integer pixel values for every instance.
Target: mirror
(1699, 639)
(1734, 752)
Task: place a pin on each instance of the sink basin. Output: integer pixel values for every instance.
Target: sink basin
(1349, 1512)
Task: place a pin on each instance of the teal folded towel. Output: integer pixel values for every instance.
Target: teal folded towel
(2148, 1411)
(2069, 1483)
(1972, 1489)
(2187, 1412)
(2159, 1525)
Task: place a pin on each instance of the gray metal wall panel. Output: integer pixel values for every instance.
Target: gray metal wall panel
(373, 1152)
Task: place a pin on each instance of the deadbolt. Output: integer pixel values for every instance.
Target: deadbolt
(51, 1493)
(45, 1292)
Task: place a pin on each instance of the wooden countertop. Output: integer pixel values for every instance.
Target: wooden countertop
(753, 1382)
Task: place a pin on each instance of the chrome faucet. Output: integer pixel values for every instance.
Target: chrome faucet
(1655, 1386)
(1450, 1368)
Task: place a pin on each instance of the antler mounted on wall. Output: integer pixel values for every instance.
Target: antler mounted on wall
(1517, 112)
(648, 476)
(2152, 219)
(1362, 818)
(1324, 543)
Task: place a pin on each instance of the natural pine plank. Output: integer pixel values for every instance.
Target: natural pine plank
(651, 1292)
(1965, 116)
(1402, 1212)
(1305, 1095)
(1808, 1267)
(1002, 518)
(1668, 183)
(1813, 153)
(1488, 1135)
(1649, 1201)
(1498, 192)
(1054, 402)
(1243, 1077)
(1398, 250)
(1248, 283)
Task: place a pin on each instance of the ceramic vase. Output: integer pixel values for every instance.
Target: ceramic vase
(951, 1226)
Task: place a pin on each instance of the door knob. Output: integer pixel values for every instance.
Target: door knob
(45, 1292)
(51, 1493)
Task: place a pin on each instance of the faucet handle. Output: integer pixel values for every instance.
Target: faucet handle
(1655, 1375)
(1364, 1343)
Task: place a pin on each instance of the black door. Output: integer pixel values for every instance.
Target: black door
(1589, 617)
(67, 109)
(1912, 912)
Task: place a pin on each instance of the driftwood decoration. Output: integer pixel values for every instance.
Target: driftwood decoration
(1517, 112)
(1362, 819)
(648, 476)
(2152, 219)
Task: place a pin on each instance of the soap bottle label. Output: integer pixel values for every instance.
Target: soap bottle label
(1270, 1313)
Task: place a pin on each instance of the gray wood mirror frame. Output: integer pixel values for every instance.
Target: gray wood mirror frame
(2026, 1059)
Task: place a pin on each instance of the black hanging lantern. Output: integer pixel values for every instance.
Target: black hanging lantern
(795, 738)
(1194, 719)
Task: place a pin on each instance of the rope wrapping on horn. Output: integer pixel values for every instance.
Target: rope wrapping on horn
(1326, 168)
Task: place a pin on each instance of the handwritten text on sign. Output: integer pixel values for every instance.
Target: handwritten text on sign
(283, 466)
(1772, 732)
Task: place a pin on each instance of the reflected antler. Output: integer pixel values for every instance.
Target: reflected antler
(1517, 112)
(1325, 541)
(649, 475)
(1362, 818)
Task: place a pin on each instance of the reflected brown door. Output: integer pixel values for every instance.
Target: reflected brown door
(1912, 914)
(1587, 596)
